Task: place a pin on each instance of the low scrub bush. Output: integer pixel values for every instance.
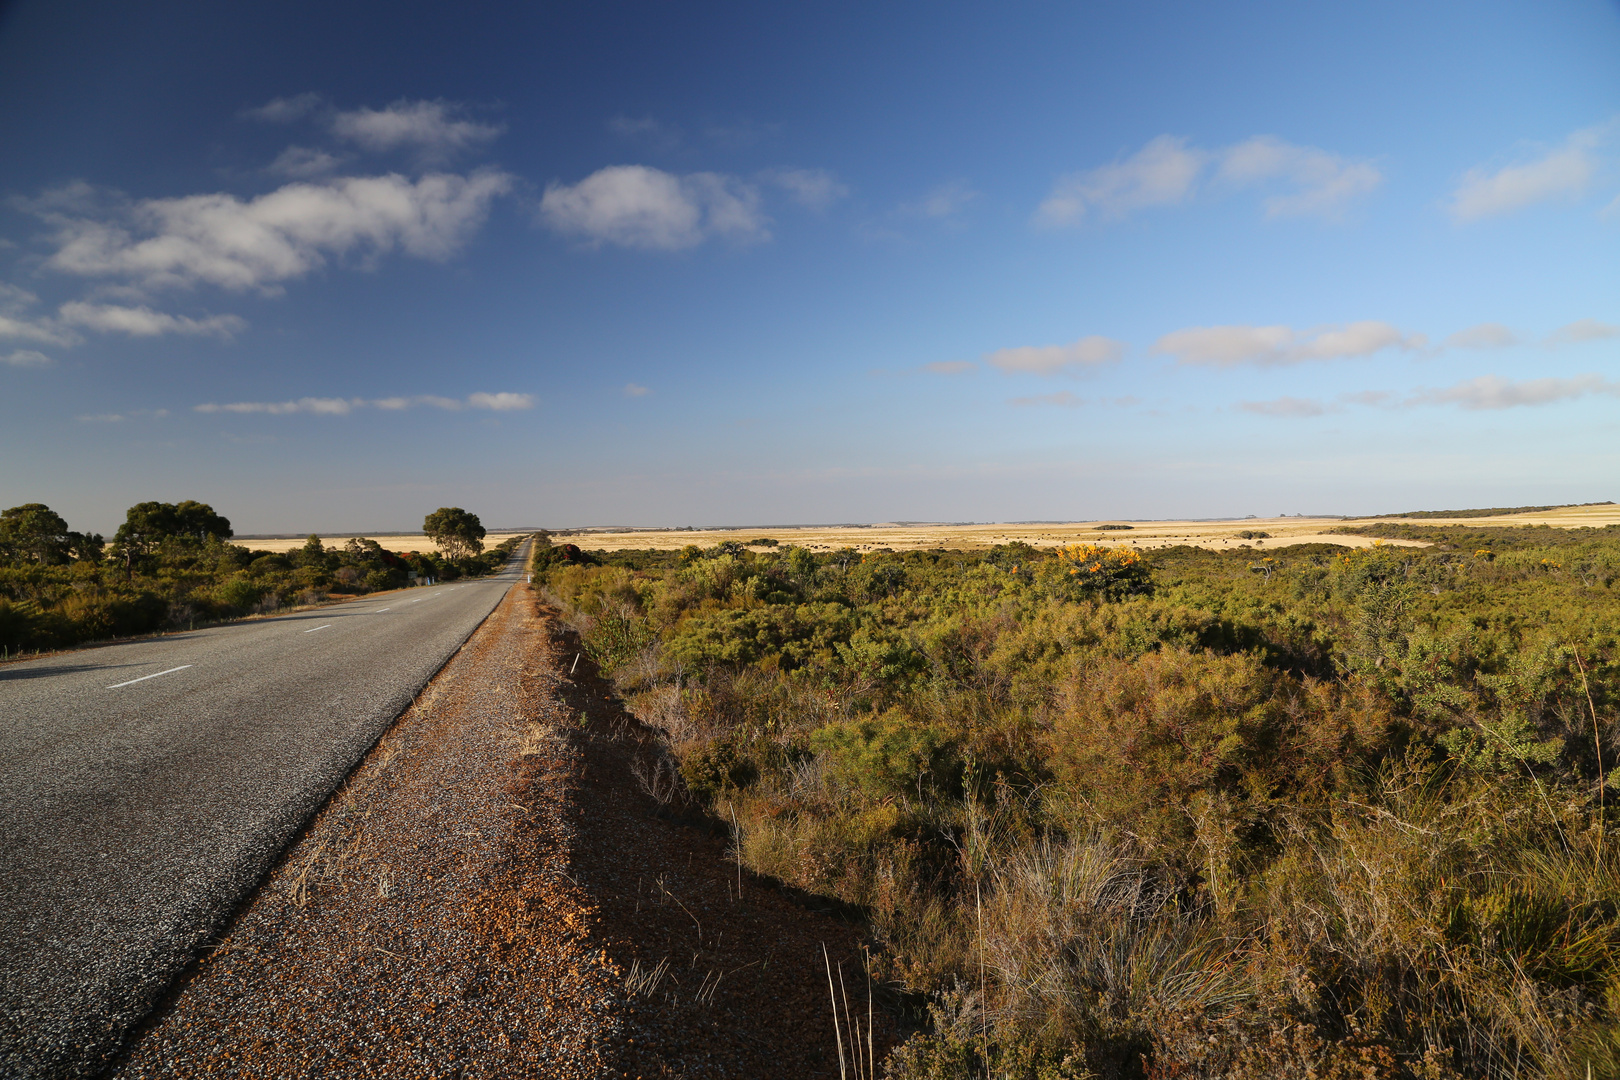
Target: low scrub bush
(1125, 815)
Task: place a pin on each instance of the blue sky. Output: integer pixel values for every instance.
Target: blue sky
(328, 267)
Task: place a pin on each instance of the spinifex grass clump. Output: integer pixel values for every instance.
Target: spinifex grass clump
(1118, 815)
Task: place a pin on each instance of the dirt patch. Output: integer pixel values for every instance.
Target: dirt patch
(495, 893)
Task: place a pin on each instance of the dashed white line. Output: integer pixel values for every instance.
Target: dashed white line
(154, 675)
(379, 611)
(312, 629)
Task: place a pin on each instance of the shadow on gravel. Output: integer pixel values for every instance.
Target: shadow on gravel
(726, 969)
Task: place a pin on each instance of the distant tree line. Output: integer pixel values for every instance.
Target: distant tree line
(171, 566)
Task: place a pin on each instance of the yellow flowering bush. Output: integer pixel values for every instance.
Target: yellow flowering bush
(1087, 571)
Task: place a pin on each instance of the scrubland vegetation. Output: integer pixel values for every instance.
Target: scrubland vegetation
(172, 566)
(1183, 814)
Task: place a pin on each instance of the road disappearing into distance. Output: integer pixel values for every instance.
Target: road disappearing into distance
(146, 786)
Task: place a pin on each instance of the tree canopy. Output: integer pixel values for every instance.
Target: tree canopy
(34, 532)
(148, 524)
(458, 533)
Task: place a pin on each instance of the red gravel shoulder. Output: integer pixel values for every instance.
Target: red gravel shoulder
(494, 893)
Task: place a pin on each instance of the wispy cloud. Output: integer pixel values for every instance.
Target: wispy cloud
(259, 243)
(1495, 392)
(503, 402)
(40, 330)
(948, 367)
(1484, 336)
(436, 129)
(1284, 406)
(635, 390)
(283, 110)
(305, 163)
(144, 322)
(636, 206)
(1062, 399)
(1583, 330)
(945, 201)
(25, 358)
(337, 406)
(816, 189)
(1168, 171)
(1088, 352)
(16, 323)
(1269, 346)
(1563, 172)
(1324, 184)
(646, 127)
(1163, 172)
(119, 418)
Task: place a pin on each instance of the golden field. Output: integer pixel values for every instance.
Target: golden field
(1142, 534)
(390, 541)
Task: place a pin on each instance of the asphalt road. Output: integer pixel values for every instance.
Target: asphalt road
(146, 786)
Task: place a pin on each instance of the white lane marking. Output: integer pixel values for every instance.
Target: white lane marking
(312, 629)
(379, 611)
(154, 675)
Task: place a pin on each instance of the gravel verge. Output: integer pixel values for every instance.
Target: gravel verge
(494, 893)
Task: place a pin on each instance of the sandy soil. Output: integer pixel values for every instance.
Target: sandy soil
(402, 542)
(495, 893)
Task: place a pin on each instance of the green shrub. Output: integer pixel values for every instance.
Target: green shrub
(890, 754)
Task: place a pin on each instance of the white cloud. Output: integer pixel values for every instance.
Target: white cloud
(1284, 406)
(283, 110)
(1088, 352)
(503, 402)
(1267, 346)
(1495, 392)
(42, 331)
(304, 163)
(636, 125)
(640, 207)
(1163, 172)
(1484, 336)
(16, 323)
(635, 390)
(118, 418)
(14, 298)
(1168, 171)
(499, 402)
(259, 243)
(814, 188)
(1561, 173)
(1326, 182)
(433, 128)
(946, 200)
(25, 358)
(319, 406)
(144, 322)
(1062, 398)
(1583, 330)
(949, 367)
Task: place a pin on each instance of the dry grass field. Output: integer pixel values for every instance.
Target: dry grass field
(1217, 535)
(391, 541)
